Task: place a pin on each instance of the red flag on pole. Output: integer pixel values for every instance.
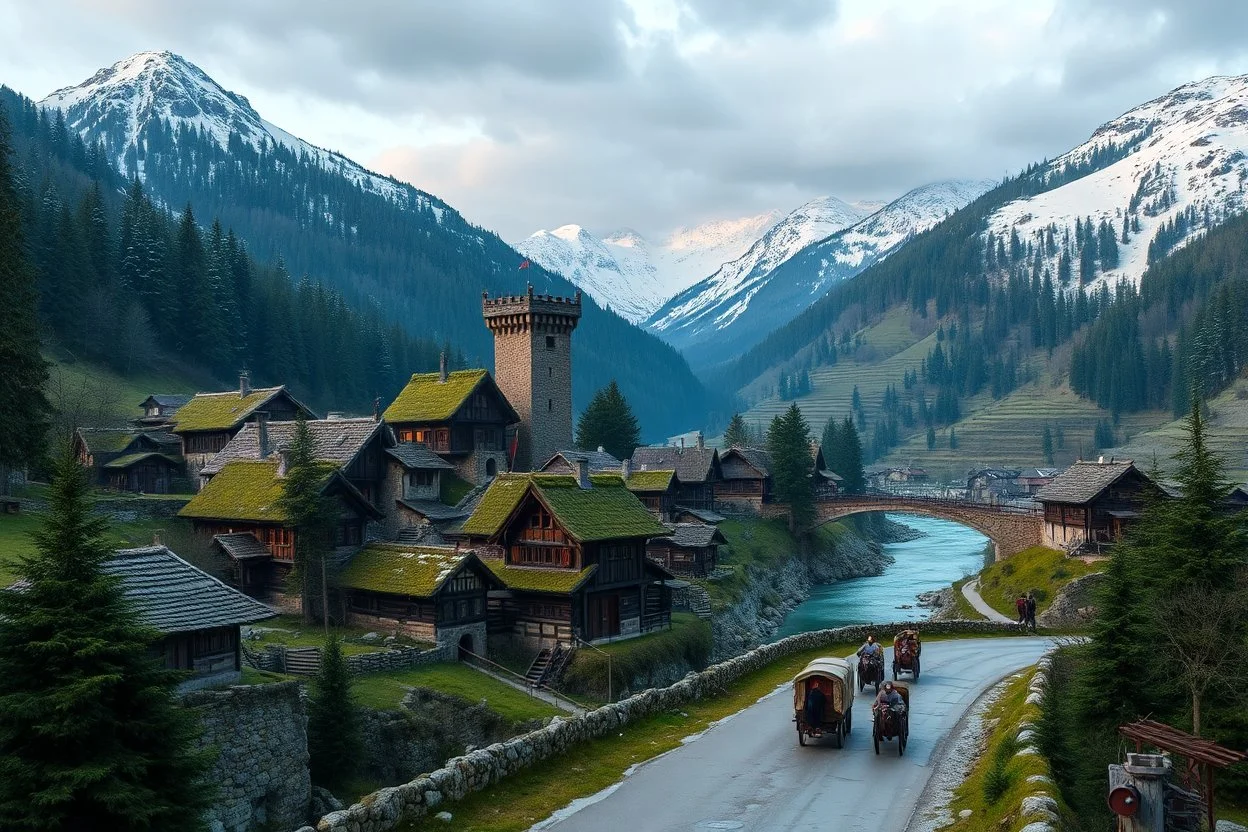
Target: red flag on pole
(515, 446)
(524, 264)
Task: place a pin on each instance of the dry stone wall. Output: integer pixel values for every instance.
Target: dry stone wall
(388, 808)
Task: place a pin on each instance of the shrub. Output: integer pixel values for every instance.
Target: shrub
(1007, 568)
(1061, 573)
(998, 778)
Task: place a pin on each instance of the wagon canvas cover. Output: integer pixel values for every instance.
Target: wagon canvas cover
(838, 671)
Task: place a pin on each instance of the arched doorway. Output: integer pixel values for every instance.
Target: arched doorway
(465, 647)
(491, 467)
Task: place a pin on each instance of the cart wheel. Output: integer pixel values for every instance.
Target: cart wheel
(876, 740)
(849, 721)
(801, 737)
(894, 671)
(916, 668)
(840, 742)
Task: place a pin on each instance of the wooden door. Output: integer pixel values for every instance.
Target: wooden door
(604, 616)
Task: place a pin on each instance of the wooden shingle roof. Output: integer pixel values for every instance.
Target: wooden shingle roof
(333, 440)
(414, 456)
(692, 465)
(172, 596)
(242, 546)
(1083, 481)
(693, 535)
(756, 458)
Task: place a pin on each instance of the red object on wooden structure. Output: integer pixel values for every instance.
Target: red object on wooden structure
(1200, 755)
(1124, 801)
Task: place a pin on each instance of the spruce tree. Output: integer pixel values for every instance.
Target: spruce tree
(737, 434)
(788, 444)
(1046, 445)
(854, 478)
(90, 735)
(931, 438)
(334, 744)
(608, 422)
(833, 445)
(23, 406)
(953, 439)
(312, 515)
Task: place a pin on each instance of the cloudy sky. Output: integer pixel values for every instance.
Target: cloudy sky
(653, 114)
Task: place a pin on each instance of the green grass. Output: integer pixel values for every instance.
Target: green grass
(1226, 435)
(1038, 569)
(292, 631)
(16, 541)
(454, 488)
(520, 801)
(252, 676)
(73, 385)
(997, 782)
(384, 691)
(688, 640)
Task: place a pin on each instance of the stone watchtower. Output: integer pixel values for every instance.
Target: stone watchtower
(533, 368)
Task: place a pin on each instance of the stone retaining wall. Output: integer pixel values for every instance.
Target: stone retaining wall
(387, 808)
(399, 658)
(260, 734)
(1039, 808)
(130, 509)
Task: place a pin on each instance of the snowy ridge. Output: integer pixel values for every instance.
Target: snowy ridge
(118, 103)
(1185, 152)
(625, 272)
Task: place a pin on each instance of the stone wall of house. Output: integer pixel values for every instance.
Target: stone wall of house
(389, 807)
(419, 630)
(260, 733)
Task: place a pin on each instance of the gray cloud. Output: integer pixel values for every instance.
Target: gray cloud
(736, 17)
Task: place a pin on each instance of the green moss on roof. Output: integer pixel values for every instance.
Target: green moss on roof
(537, 579)
(426, 398)
(606, 511)
(219, 411)
(130, 459)
(417, 571)
(108, 441)
(650, 480)
(243, 490)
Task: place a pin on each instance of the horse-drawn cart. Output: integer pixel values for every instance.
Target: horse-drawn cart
(892, 723)
(906, 650)
(823, 699)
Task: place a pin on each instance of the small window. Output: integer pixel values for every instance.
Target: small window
(550, 342)
(550, 371)
(550, 405)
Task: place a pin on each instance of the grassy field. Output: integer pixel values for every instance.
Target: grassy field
(385, 690)
(997, 782)
(1044, 571)
(1227, 435)
(99, 393)
(688, 641)
(15, 539)
(292, 631)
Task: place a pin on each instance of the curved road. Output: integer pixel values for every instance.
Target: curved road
(748, 772)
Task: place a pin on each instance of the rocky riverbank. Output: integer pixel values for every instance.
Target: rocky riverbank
(771, 594)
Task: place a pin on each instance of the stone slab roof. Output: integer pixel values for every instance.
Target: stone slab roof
(174, 400)
(693, 535)
(333, 440)
(435, 510)
(599, 461)
(418, 457)
(691, 464)
(703, 514)
(1083, 481)
(172, 596)
(242, 546)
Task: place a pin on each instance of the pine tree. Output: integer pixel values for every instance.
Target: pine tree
(608, 422)
(953, 439)
(833, 445)
(90, 735)
(737, 434)
(1046, 445)
(931, 438)
(788, 444)
(312, 516)
(853, 477)
(23, 406)
(335, 747)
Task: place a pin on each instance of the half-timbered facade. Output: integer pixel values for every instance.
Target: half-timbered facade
(461, 416)
(1092, 502)
(746, 482)
(571, 552)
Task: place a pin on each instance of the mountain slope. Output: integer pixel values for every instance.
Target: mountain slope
(377, 240)
(633, 277)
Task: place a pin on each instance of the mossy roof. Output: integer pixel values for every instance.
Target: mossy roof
(132, 459)
(650, 480)
(416, 571)
(241, 490)
(107, 441)
(538, 579)
(426, 398)
(606, 511)
(220, 411)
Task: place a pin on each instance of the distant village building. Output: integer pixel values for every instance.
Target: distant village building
(571, 551)
(989, 485)
(746, 481)
(688, 549)
(1031, 480)
(209, 421)
(461, 416)
(697, 468)
(565, 462)
(197, 616)
(158, 409)
(824, 482)
(888, 478)
(1092, 503)
(129, 459)
(533, 365)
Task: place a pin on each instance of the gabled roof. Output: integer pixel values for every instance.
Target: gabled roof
(1039, 473)
(251, 490)
(599, 461)
(1082, 482)
(417, 457)
(830, 475)
(223, 411)
(538, 579)
(693, 535)
(651, 480)
(692, 464)
(434, 510)
(606, 511)
(242, 546)
(166, 400)
(703, 514)
(172, 596)
(415, 571)
(427, 398)
(756, 458)
(107, 440)
(126, 461)
(333, 440)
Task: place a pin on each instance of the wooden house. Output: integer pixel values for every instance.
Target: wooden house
(207, 423)
(826, 483)
(746, 482)
(1092, 503)
(697, 470)
(689, 549)
(1031, 480)
(244, 498)
(571, 551)
(128, 459)
(197, 616)
(433, 593)
(567, 462)
(158, 409)
(657, 490)
(145, 472)
(461, 416)
(697, 515)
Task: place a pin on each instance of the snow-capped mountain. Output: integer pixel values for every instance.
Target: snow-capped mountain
(118, 103)
(729, 312)
(1178, 157)
(627, 273)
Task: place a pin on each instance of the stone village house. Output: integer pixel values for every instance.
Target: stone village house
(688, 549)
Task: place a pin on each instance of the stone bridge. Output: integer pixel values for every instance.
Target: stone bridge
(1010, 528)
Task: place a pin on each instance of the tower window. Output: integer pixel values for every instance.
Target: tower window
(550, 405)
(550, 371)
(550, 342)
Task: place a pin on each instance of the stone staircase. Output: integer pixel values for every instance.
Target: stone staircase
(699, 601)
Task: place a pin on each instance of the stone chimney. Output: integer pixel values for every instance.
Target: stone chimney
(262, 433)
(626, 468)
(377, 409)
(601, 450)
(701, 441)
(442, 374)
(582, 474)
(156, 541)
(283, 461)
(244, 384)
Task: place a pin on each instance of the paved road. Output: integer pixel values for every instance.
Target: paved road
(748, 773)
(970, 591)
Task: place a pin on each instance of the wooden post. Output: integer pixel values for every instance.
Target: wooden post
(1147, 773)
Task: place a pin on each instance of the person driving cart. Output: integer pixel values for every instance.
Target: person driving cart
(871, 649)
(815, 701)
(888, 697)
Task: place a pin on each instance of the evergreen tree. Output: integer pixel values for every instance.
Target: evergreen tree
(737, 434)
(90, 735)
(931, 438)
(788, 444)
(608, 422)
(854, 479)
(312, 516)
(1046, 445)
(335, 747)
(953, 439)
(1061, 438)
(833, 445)
(856, 399)
(23, 407)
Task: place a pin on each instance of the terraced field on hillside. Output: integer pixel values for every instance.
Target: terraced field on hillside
(1227, 431)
